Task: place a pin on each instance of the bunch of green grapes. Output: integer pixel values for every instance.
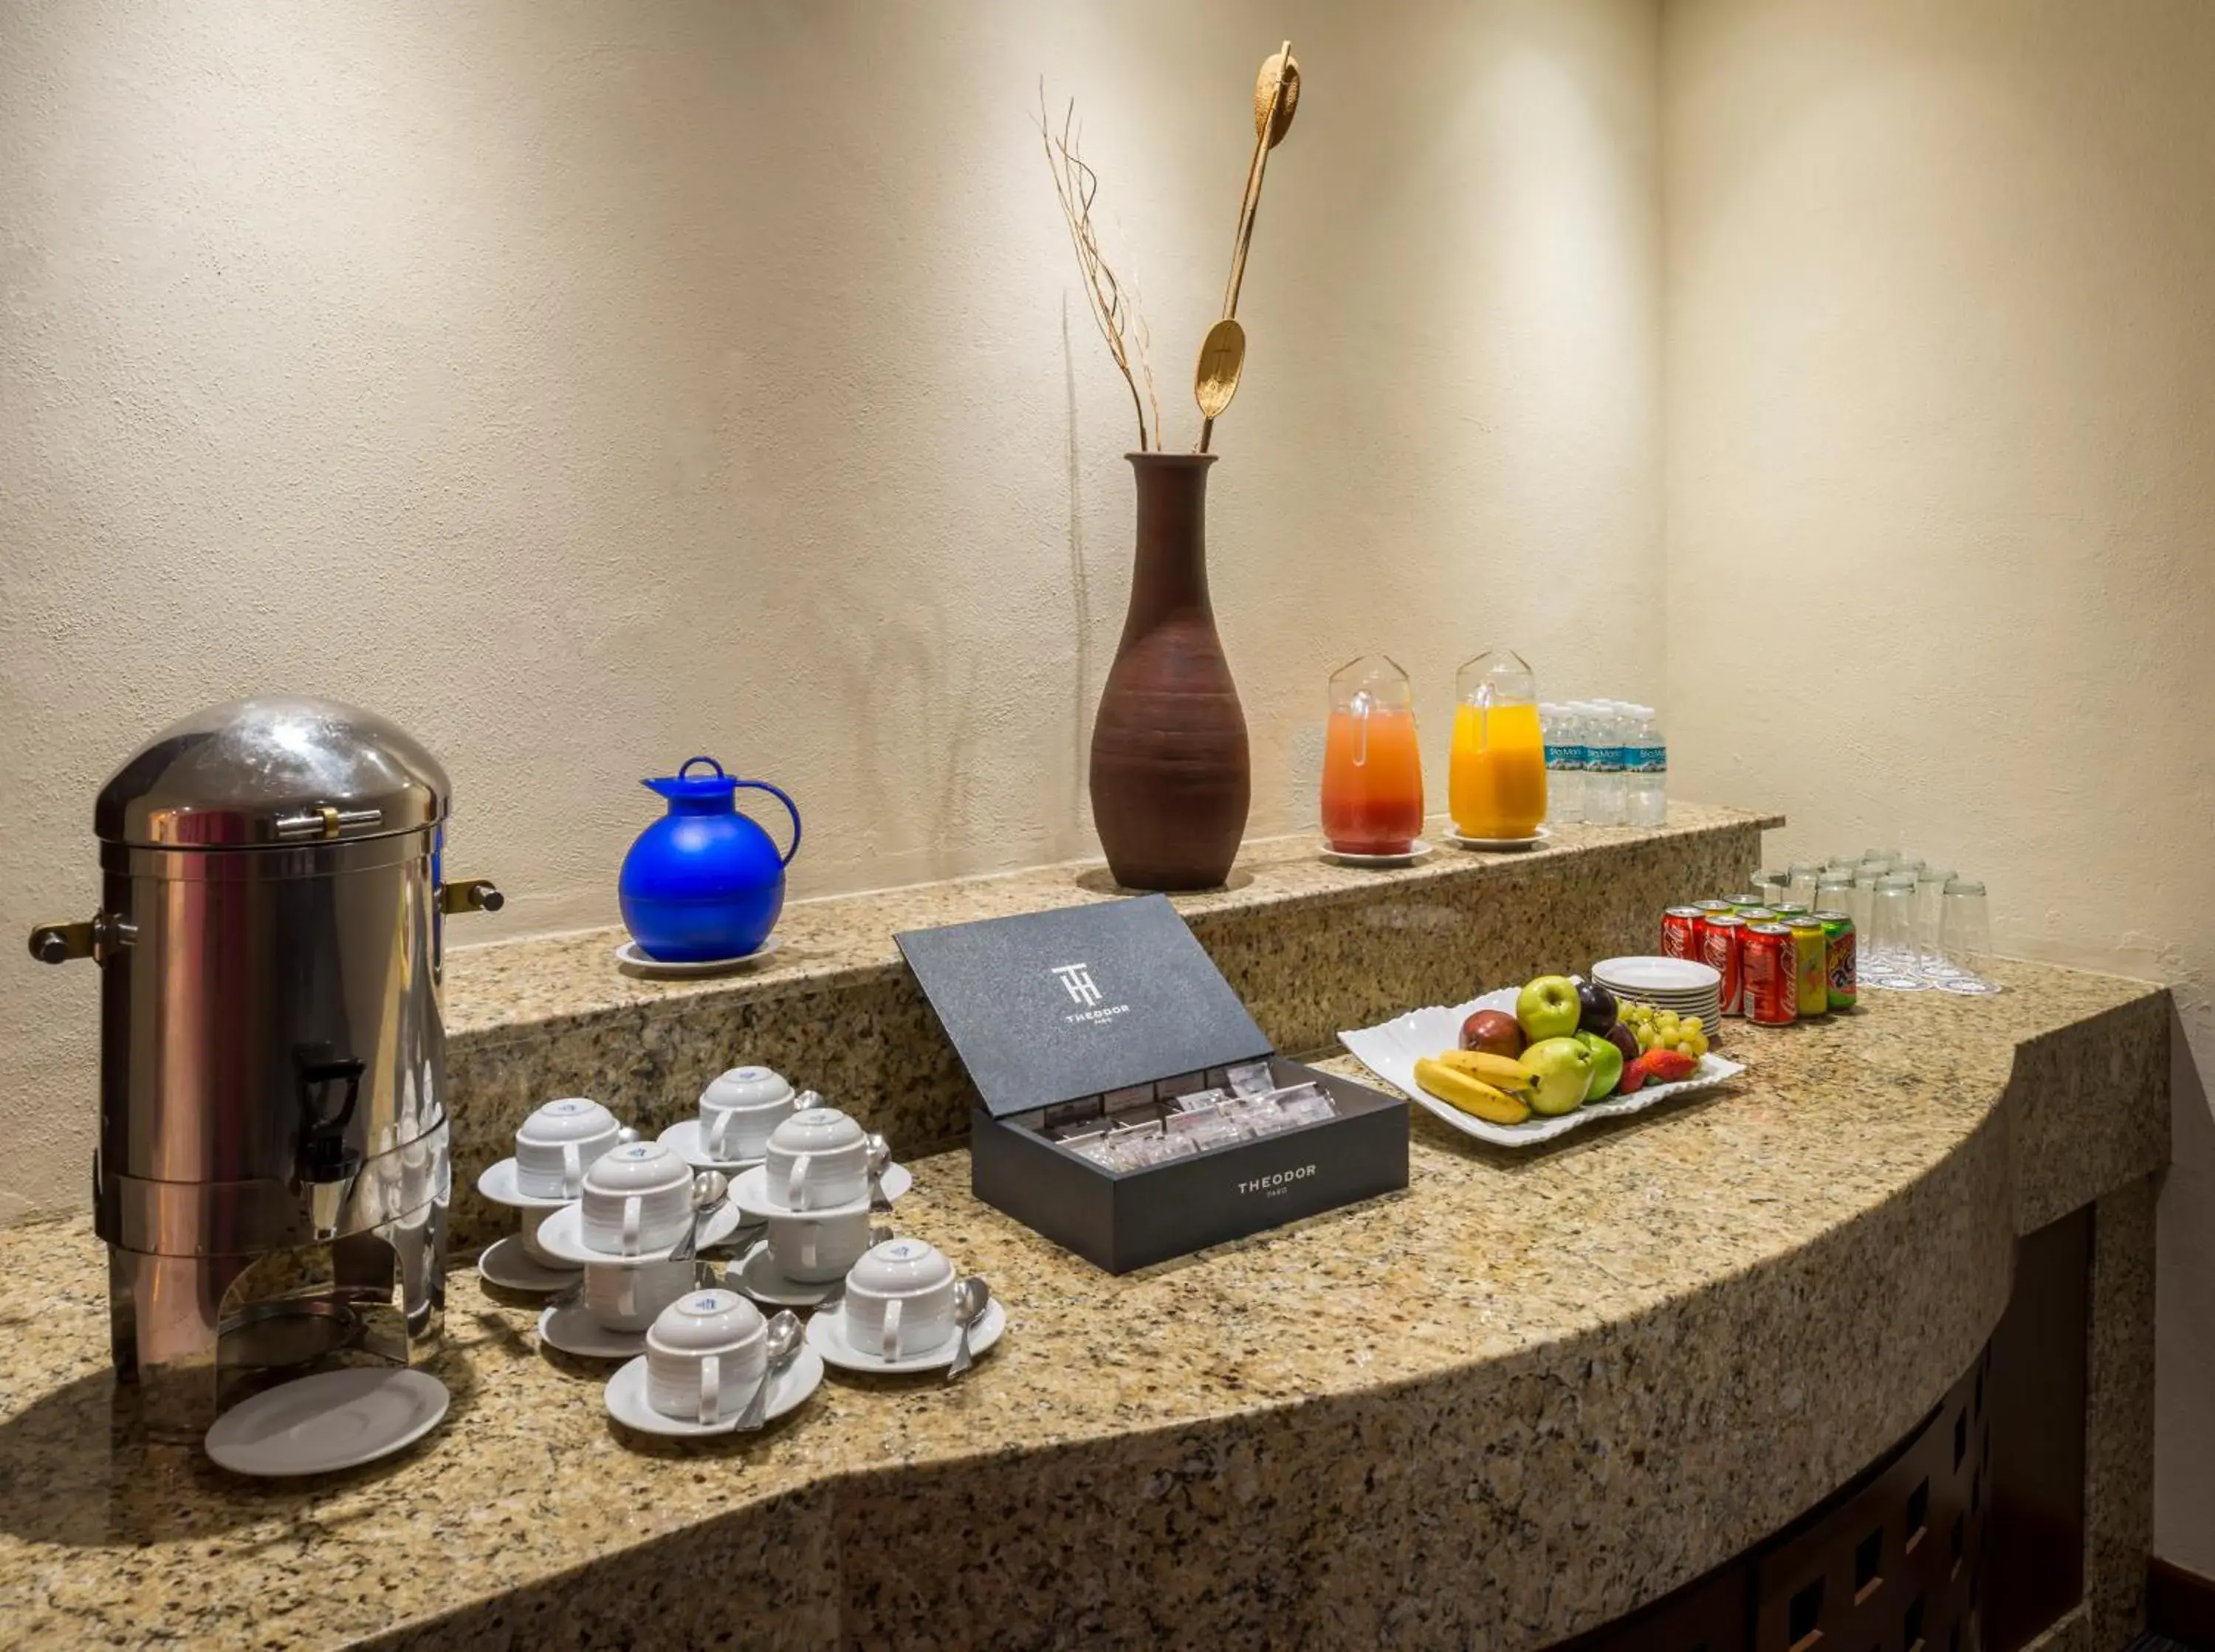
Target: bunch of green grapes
(1664, 1030)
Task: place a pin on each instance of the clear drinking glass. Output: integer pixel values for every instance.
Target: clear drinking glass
(1775, 887)
(1834, 891)
(1801, 885)
(1891, 919)
(1886, 855)
(1930, 890)
(1966, 928)
(1861, 906)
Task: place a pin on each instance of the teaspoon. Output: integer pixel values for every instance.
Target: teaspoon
(783, 1339)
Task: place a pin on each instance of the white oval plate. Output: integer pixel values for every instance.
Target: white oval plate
(572, 1328)
(637, 961)
(683, 1138)
(756, 1275)
(826, 1335)
(1667, 977)
(331, 1421)
(628, 1404)
(506, 1264)
(563, 1235)
(497, 1184)
(1391, 1051)
(750, 1193)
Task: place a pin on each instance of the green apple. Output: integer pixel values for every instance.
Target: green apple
(1564, 1071)
(1607, 1064)
(1548, 1009)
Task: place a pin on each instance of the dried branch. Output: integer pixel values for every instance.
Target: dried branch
(1113, 309)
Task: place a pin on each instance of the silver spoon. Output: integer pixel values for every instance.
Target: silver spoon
(708, 1187)
(881, 1157)
(784, 1339)
(972, 1296)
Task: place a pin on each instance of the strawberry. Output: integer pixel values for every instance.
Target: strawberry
(1634, 1076)
(1660, 1067)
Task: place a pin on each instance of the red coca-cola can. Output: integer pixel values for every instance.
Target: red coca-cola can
(1681, 934)
(1770, 967)
(1720, 937)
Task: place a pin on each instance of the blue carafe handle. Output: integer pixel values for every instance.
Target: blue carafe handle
(790, 808)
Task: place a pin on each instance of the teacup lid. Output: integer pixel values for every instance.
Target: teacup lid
(572, 1118)
(636, 1167)
(901, 1265)
(746, 1086)
(705, 1322)
(815, 1129)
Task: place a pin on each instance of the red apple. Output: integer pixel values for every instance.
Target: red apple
(1495, 1032)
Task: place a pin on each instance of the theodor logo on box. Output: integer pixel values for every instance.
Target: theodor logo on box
(1084, 992)
(1270, 1186)
(1077, 981)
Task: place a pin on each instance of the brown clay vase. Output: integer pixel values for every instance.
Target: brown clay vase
(1170, 780)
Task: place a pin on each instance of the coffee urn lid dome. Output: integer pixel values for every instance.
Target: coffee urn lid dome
(274, 769)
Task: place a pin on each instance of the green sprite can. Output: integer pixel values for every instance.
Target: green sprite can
(1841, 950)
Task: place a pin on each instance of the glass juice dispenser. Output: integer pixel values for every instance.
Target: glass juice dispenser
(1496, 786)
(1372, 766)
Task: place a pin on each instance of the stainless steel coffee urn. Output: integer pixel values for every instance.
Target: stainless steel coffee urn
(272, 1174)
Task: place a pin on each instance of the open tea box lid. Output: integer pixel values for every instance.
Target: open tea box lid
(1054, 1007)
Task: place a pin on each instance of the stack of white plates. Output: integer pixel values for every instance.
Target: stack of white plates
(1665, 983)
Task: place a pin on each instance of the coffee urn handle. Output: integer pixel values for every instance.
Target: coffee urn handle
(470, 895)
(98, 937)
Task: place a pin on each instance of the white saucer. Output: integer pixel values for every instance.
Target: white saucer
(1497, 844)
(497, 1184)
(334, 1420)
(1407, 858)
(635, 960)
(563, 1233)
(750, 1193)
(507, 1264)
(756, 1275)
(628, 1403)
(826, 1335)
(574, 1330)
(683, 1138)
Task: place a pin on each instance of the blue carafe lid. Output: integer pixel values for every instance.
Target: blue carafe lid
(685, 786)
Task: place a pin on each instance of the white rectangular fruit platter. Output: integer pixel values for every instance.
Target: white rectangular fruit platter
(1391, 1050)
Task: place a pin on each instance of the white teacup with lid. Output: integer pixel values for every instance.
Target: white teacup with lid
(816, 1250)
(900, 1299)
(817, 1160)
(620, 1298)
(557, 1144)
(705, 1353)
(638, 1197)
(738, 1110)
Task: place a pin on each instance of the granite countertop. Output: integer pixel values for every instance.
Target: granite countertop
(1530, 1392)
(528, 987)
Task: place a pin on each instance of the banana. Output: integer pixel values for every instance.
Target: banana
(1470, 1095)
(1501, 1072)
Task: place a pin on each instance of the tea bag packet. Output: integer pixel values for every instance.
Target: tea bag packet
(1258, 1116)
(1251, 1078)
(1205, 1128)
(1304, 1104)
(1202, 1101)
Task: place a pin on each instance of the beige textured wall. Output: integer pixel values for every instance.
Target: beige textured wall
(586, 386)
(1941, 427)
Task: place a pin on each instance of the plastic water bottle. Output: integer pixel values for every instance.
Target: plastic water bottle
(1549, 726)
(1648, 769)
(1605, 769)
(1569, 805)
